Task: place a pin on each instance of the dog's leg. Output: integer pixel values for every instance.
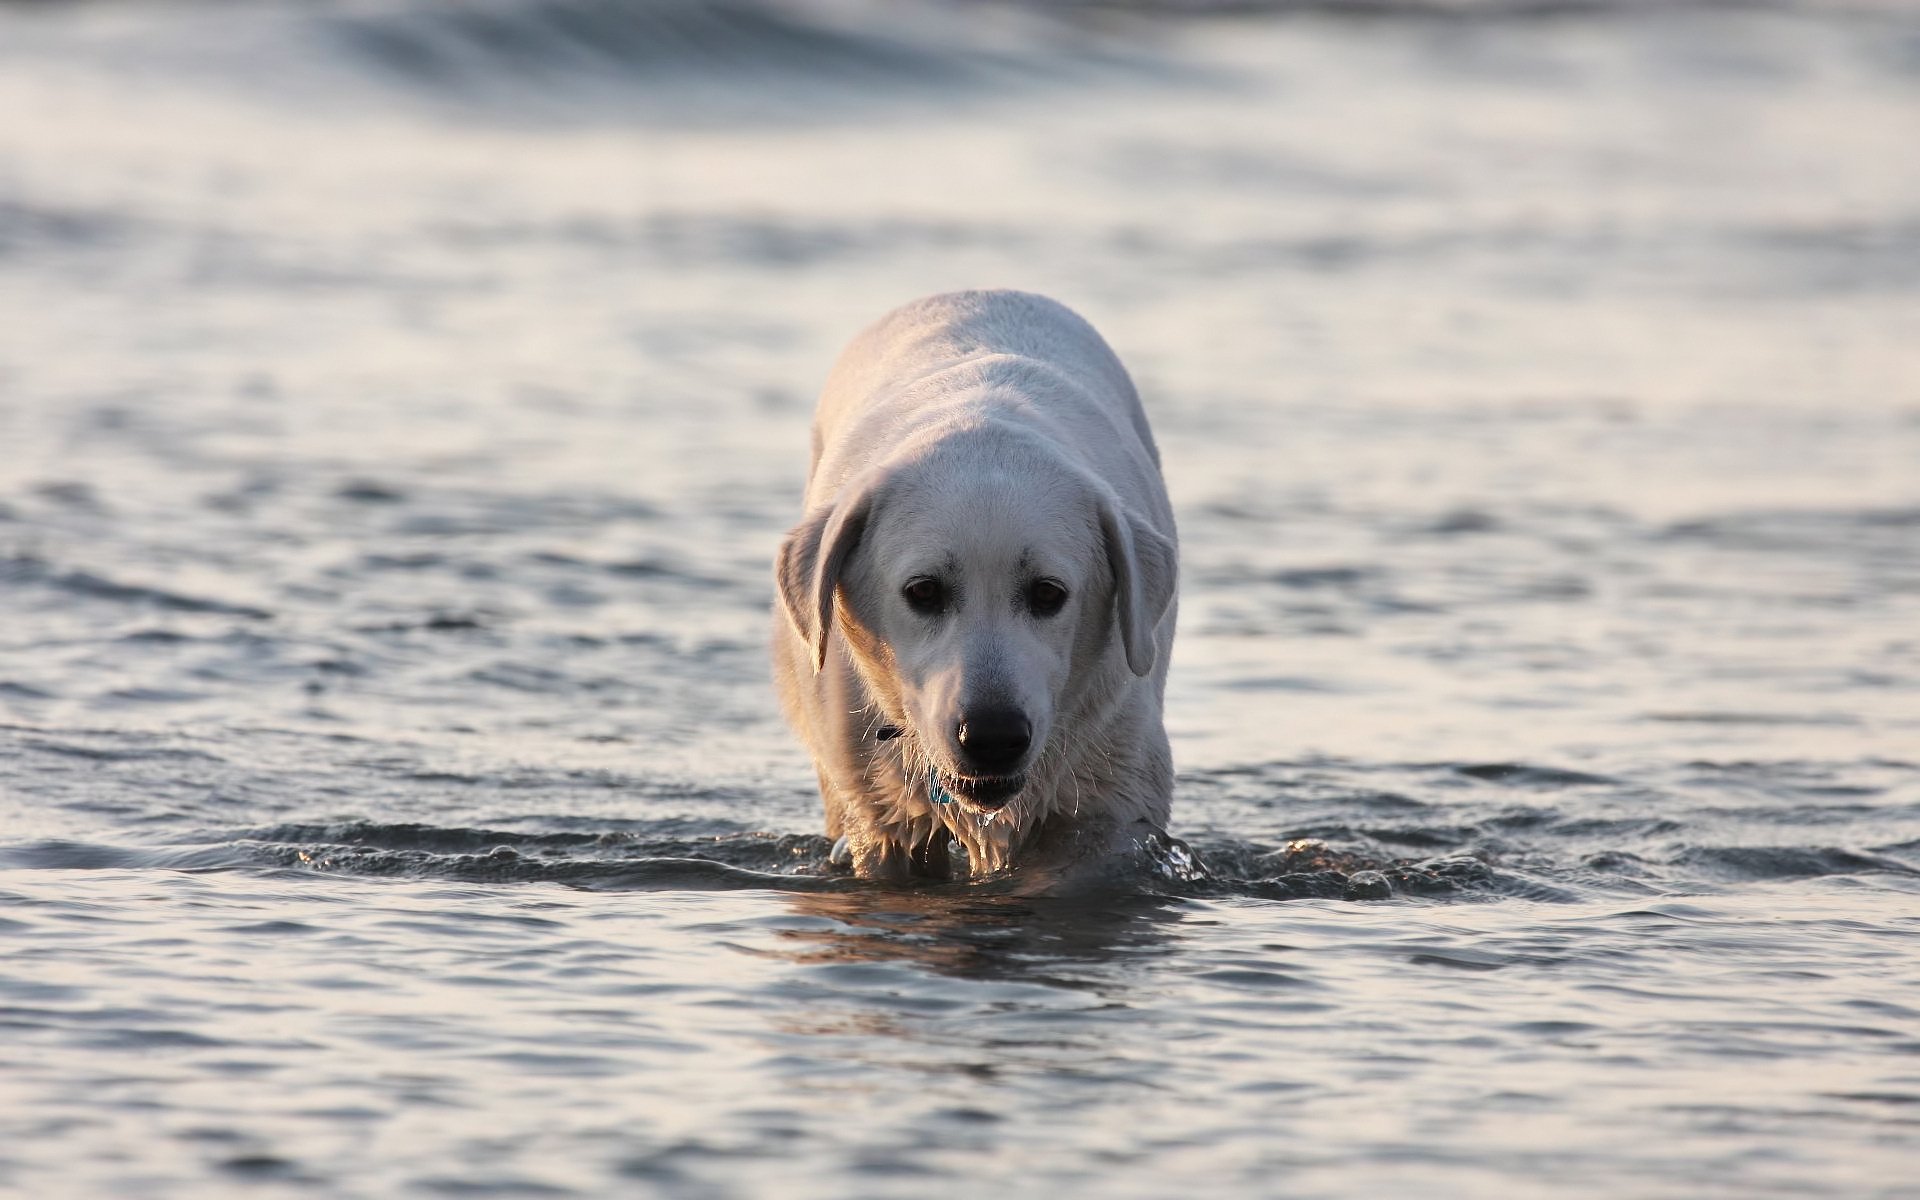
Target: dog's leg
(836, 820)
(880, 858)
(933, 859)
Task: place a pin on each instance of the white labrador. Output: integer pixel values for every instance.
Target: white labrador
(979, 605)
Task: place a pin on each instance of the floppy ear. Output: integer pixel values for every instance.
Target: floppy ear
(811, 558)
(1144, 566)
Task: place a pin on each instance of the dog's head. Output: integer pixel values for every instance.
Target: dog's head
(973, 583)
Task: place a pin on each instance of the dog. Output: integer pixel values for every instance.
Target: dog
(977, 609)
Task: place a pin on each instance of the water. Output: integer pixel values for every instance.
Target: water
(400, 406)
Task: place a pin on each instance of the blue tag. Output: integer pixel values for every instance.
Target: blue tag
(935, 792)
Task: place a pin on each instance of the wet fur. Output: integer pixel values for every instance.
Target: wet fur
(985, 427)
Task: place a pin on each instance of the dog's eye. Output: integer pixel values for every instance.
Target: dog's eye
(1046, 597)
(925, 595)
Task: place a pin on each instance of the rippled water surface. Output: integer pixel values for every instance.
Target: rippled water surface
(400, 405)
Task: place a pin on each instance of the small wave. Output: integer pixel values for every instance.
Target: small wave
(504, 865)
(652, 568)
(1318, 577)
(696, 238)
(472, 43)
(1785, 862)
(706, 838)
(1753, 718)
(441, 622)
(1525, 775)
(1304, 869)
(57, 854)
(34, 228)
(27, 569)
(407, 836)
(1438, 10)
(654, 855)
(1796, 530)
(793, 59)
(1309, 868)
(119, 747)
(532, 61)
(368, 491)
(66, 855)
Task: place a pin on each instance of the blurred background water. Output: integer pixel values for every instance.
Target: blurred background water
(399, 406)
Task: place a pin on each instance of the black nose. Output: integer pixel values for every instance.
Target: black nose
(994, 739)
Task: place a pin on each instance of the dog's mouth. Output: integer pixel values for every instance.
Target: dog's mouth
(987, 792)
(983, 791)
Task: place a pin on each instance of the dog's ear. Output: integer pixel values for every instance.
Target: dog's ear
(1144, 566)
(811, 558)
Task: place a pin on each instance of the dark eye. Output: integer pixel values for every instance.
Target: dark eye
(1046, 597)
(924, 595)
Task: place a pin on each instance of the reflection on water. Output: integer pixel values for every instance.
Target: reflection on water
(956, 932)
